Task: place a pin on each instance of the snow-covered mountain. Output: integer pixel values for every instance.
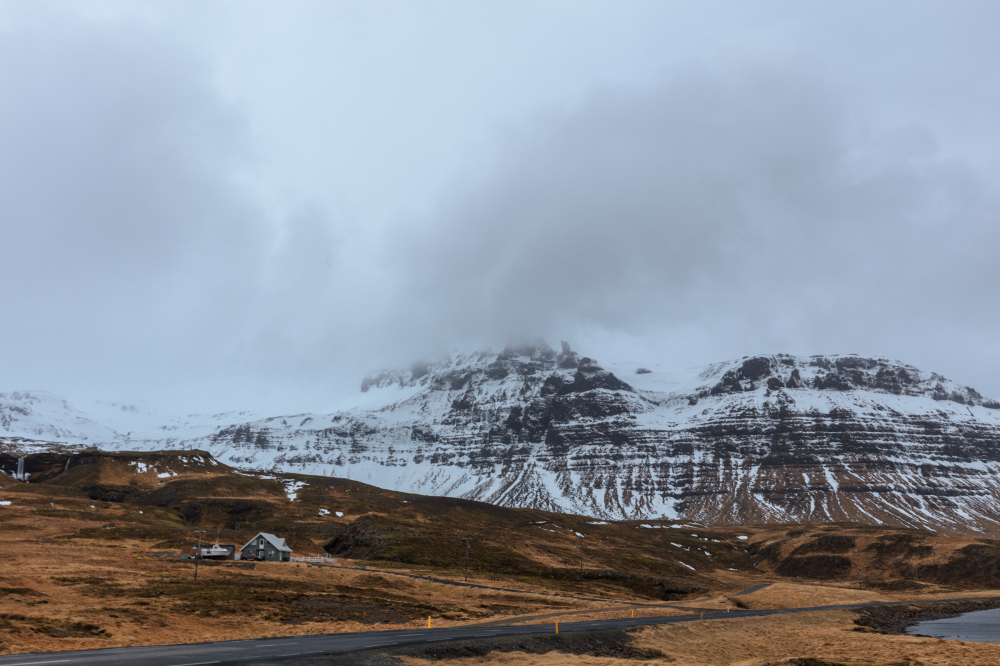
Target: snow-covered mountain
(760, 439)
(38, 415)
(38, 418)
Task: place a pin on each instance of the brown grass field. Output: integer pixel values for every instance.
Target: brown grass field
(91, 560)
(813, 639)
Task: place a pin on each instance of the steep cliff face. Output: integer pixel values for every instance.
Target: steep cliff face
(761, 439)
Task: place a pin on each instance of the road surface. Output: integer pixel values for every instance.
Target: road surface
(240, 652)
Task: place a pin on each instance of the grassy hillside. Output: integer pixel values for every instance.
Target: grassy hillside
(163, 496)
(92, 552)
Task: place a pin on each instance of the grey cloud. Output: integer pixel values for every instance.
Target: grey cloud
(126, 245)
(762, 201)
(736, 206)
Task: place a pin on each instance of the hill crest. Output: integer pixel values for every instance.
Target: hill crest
(760, 439)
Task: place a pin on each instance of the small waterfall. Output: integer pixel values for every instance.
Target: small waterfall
(20, 474)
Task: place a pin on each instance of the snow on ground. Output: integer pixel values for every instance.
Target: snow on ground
(406, 446)
(292, 489)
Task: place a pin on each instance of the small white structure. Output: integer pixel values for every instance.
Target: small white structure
(267, 547)
(218, 552)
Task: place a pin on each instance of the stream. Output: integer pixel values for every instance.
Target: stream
(978, 626)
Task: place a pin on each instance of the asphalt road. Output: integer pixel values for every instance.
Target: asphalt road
(238, 652)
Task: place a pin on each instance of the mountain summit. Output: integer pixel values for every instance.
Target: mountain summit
(761, 439)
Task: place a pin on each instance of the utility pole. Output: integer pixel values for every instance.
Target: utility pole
(197, 555)
(467, 546)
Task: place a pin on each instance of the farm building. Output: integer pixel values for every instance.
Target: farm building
(268, 547)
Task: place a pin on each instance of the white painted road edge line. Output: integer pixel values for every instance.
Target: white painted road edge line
(28, 663)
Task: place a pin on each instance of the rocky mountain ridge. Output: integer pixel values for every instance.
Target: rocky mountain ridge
(761, 439)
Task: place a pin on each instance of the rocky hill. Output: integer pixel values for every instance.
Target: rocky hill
(764, 439)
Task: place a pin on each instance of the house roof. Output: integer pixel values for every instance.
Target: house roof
(273, 540)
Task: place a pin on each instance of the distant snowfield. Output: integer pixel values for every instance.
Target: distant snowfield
(378, 397)
(762, 439)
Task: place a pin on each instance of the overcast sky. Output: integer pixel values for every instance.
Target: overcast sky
(215, 205)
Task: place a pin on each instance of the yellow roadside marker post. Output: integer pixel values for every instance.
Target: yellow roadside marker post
(702, 616)
(428, 621)
(557, 627)
(633, 612)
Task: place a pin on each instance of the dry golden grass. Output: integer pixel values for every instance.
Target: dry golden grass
(943, 547)
(113, 586)
(66, 585)
(783, 594)
(56, 584)
(548, 659)
(822, 635)
(828, 636)
(587, 615)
